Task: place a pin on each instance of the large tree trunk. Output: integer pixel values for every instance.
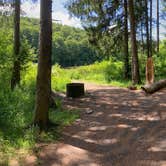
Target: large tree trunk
(44, 66)
(135, 64)
(149, 71)
(16, 66)
(158, 26)
(149, 64)
(154, 87)
(126, 52)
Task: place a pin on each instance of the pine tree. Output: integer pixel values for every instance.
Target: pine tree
(135, 64)
(158, 26)
(16, 66)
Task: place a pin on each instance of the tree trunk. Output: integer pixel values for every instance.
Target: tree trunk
(149, 71)
(16, 66)
(158, 27)
(154, 87)
(142, 37)
(142, 28)
(149, 64)
(147, 29)
(150, 29)
(135, 64)
(44, 66)
(126, 52)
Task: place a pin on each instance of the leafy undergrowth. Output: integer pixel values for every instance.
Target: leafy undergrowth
(106, 72)
(16, 113)
(112, 72)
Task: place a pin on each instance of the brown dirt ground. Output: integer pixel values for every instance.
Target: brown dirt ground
(126, 128)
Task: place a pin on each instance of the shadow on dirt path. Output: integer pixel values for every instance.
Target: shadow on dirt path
(126, 128)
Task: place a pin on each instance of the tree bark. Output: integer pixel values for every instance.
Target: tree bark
(150, 28)
(142, 37)
(149, 71)
(147, 29)
(16, 66)
(158, 27)
(142, 28)
(43, 90)
(126, 52)
(149, 64)
(154, 87)
(135, 64)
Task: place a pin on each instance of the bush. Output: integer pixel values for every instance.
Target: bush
(160, 62)
(114, 71)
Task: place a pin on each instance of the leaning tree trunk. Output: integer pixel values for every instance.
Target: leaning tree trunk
(154, 87)
(16, 66)
(135, 64)
(44, 66)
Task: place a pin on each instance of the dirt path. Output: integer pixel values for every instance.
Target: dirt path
(126, 128)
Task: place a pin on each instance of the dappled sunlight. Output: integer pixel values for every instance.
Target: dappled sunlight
(100, 128)
(81, 134)
(109, 141)
(66, 155)
(123, 126)
(158, 146)
(90, 140)
(143, 117)
(151, 163)
(116, 115)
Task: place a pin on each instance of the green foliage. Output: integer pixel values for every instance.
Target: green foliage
(27, 54)
(6, 49)
(114, 71)
(16, 113)
(107, 72)
(160, 62)
(70, 45)
(59, 78)
(64, 117)
(16, 109)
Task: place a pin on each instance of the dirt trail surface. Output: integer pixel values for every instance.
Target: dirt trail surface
(126, 128)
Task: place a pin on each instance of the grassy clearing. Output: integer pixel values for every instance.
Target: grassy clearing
(112, 72)
(106, 72)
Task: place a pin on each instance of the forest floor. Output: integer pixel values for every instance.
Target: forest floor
(117, 127)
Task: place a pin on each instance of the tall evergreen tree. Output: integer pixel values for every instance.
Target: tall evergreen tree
(16, 67)
(135, 64)
(150, 36)
(158, 26)
(105, 18)
(147, 28)
(126, 52)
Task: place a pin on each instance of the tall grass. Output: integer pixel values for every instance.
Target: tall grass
(17, 110)
(105, 72)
